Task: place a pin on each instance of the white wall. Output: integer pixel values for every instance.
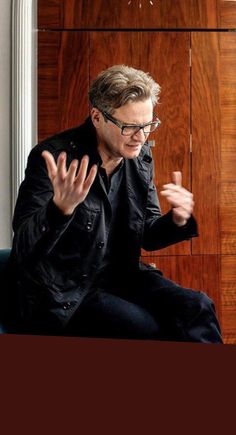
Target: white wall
(5, 127)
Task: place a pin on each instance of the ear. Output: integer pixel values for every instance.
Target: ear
(96, 117)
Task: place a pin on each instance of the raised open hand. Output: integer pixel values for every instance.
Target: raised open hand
(70, 187)
(180, 199)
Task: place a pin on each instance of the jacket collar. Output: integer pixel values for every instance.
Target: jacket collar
(86, 142)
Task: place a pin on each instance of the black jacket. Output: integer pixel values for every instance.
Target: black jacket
(55, 256)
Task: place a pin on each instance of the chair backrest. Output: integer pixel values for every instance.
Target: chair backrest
(4, 255)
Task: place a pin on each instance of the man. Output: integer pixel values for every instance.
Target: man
(85, 208)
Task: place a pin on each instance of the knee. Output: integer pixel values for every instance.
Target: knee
(204, 325)
(205, 302)
(198, 302)
(202, 307)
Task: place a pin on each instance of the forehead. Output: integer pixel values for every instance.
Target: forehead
(137, 112)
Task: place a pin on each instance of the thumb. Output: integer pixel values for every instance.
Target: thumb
(177, 178)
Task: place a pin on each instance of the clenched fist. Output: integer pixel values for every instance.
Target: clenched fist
(180, 199)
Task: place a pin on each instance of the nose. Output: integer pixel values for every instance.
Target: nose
(139, 135)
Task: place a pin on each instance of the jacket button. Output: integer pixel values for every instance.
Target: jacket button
(43, 228)
(66, 305)
(89, 226)
(72, 144)
(84, 277)
(100, 245)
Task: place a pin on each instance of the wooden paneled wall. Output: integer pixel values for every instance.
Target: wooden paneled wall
(63, 78)
(206, 125)
(196, 71)
(117, 14)
(227, 14)
(227, 43)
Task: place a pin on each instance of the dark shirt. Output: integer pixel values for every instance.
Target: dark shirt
(113, 187)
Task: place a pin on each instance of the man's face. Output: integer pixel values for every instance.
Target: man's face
(111, 141)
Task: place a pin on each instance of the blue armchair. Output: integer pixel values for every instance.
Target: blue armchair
(4, 255)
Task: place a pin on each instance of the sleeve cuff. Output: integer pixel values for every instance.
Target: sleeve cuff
(189, 229)
(55, 216)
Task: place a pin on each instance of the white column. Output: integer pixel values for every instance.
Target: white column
(24, 95)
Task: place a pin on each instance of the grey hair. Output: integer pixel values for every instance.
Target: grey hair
(119, 84)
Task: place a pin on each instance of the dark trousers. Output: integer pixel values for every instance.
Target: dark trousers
(146, 306)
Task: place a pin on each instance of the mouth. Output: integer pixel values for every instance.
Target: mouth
(137, 145)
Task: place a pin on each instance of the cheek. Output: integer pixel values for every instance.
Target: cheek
(112, 136)
(122, 144)
(118, 141)
(115, 139)
(108, 137)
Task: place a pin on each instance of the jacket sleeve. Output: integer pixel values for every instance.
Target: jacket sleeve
(160, 230)
(37, 222)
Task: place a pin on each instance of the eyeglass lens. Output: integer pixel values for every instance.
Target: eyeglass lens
(129, 130)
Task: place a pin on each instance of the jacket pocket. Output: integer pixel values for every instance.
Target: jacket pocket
(85, 218)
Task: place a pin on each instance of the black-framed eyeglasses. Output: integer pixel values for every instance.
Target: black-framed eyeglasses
(130, 129)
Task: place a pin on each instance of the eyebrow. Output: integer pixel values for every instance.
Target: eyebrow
(133, 123)
(125, 124)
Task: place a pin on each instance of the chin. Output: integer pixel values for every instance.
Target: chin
(131, 156)
(132, 153)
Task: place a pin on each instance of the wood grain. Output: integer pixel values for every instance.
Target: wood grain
(228, 183)
(63, 72)
(206, 153)
(110, 14)
(227, 10)
(228, 297)
(228, 142)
